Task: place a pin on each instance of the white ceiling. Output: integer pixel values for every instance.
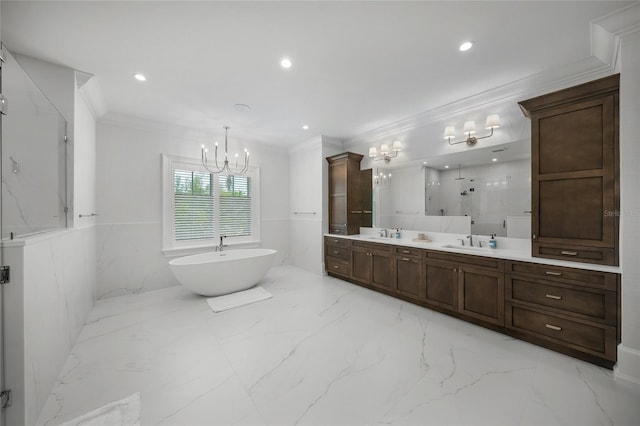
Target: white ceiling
(357, 66)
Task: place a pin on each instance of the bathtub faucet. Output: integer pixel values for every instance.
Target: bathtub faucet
(222, 245)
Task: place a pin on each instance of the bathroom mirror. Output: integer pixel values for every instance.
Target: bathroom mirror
(488, 188)
(33, 157)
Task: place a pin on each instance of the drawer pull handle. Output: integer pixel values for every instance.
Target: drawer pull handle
(335, 252)
(569, 253)
(367, 211)
(406, 251)
(336, 267)
(553, 327)
(555, 274)
(356, 211)
(406, 259)
(336, 241)
(551, 296)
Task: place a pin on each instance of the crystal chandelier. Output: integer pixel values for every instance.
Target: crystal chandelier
(225, 169)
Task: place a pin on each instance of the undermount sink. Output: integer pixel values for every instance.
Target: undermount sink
(378, 238)
(460, 247)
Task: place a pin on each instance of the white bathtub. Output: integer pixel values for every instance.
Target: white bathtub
(217, 273)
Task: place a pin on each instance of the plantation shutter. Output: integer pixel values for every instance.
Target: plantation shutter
(235, 215)
(193, 207)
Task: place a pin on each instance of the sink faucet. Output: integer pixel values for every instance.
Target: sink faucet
(383, 232)
(461, 241)
(470, 237)
(222, 245)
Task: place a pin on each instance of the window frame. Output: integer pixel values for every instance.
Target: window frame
(172, 246)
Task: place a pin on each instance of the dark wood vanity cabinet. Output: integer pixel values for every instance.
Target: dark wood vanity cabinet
(570, 310)
(470, 285)
(575, 172)
(337, 252)
(371, 264)
(350, 194)
(407, 269)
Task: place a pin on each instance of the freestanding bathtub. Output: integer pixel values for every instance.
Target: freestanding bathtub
(222, 272)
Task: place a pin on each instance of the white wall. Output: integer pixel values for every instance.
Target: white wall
(628, 366)
(129, 201)
(305, 183)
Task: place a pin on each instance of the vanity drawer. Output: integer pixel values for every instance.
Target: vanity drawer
(337, 251)
(596, 279)
(408, 252)
(372, 246)
(338, 266)
(599, 305)
(592, 338)
(473, 260)
(600, 255)
(340, 242)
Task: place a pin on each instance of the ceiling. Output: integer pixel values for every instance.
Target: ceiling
(357, 66)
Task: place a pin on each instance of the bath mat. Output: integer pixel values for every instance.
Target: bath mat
(241, 298)
(125, 412)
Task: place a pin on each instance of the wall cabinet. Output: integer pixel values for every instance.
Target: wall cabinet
(350, 194)
(569, 310)
(575, 172)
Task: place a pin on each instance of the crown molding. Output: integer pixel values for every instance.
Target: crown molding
(534, 85)
(607, 31)
(175, 130)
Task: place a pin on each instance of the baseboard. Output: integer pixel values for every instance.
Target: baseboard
(628, 367)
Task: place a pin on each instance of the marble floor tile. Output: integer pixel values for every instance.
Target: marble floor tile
(322, 351)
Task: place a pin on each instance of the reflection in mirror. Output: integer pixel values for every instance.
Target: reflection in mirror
(33, 157)
(494, 197)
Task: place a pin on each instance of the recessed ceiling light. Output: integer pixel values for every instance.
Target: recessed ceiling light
(466, 46)
(286, 63)
(242, 107)
(140, 77)
(494, 159)
(446, 167)
(305, 127)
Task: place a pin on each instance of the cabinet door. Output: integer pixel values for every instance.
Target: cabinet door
(361, 265)
(481, 294)
(408, 277)
(573, 181)
(381, 270)
(441, 284)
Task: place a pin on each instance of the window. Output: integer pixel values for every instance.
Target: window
(200, 207)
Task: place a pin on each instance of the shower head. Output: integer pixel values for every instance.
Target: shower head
(459, 174)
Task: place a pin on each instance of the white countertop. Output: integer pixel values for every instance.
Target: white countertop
(521, 250)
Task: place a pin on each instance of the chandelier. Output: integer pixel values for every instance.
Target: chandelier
(225, 169)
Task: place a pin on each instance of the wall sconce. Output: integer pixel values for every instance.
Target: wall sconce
(469, 129)
(385, 154)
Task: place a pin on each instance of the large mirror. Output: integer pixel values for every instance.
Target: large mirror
(486, 190)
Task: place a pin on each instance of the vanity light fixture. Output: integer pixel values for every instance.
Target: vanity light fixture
(385, 153)
(224, 169)
(469, 129)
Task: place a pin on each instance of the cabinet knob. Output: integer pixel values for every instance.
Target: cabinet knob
(534, 236)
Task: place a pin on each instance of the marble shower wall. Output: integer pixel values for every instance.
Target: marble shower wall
(51, 292)
(129, 204)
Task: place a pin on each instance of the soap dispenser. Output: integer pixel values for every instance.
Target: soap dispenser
(492, 242)
(397, 233)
